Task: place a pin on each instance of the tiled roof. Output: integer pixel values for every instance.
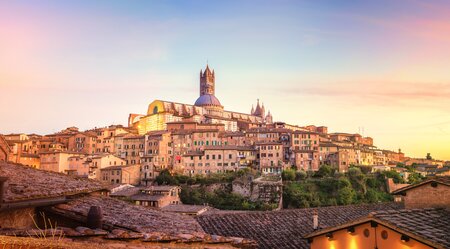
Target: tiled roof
(26, 183)
(183, 208)
(192, 131)
(231, 134)
(431, 224)
(286, 228)
(29, 155)
(133, 217)
(327, 144)
(194, 153)
(126, 192)
(229, 147)
(162, 188)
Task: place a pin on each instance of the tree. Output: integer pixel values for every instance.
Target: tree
(166, 178)
(346, 196)
(414, 178)
(324, 171)
(396, 177)
(300, 175)
(288, 175)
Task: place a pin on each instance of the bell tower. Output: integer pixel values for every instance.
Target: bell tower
(207, 82)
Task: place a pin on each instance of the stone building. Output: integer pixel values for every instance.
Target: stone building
(157, 156)
(271, 160)
(158, 196)
(434, 192)
(56, 161)
(24, 149)
(83, 142)
(130, 147)
(5, 150)
(217, 159)
(124, 174)
(101, 161)
(206, 109)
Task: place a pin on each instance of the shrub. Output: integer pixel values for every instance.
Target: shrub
(288, 175)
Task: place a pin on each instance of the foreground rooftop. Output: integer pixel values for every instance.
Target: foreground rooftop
(285, 228)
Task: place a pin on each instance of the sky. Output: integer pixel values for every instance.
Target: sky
(378, 67)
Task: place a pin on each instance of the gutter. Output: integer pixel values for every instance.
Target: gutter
(32, 203)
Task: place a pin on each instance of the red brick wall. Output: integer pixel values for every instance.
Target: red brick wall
(426, 196)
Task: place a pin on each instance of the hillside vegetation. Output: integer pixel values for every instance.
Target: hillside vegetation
(325, 187)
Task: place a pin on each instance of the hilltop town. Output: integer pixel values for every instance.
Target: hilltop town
(192, 176)
(201, 139)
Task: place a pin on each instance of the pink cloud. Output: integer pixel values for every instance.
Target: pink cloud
(426, 95)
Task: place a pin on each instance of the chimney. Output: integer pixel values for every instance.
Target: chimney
(95, 218)
(315, 219)
(3, 180)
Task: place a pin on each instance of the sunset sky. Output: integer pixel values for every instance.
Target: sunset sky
(381, 65)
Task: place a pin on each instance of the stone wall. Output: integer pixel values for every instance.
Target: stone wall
(260, 189)
(427, 196)
(20, 218)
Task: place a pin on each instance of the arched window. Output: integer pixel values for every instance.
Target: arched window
(155, 110)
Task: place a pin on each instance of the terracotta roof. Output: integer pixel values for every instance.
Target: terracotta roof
(126, 192)
(193, 153)
(305, 132)
(305, 151)
(29, 155)
(229, 147)
(183, 208)
(268, 143)
(430, 226)
(327, 144)
(161, 188)
(192, 131)
(117, 167)
(156, 133)
(268, 130)
(26, 183)
(285, 228)
(133, 217)
(231, 134)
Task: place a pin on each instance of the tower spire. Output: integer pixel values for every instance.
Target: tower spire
(207, 82)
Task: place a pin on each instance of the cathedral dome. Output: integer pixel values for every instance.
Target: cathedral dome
(207, 100)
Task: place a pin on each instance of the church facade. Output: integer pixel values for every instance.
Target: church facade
(207, 109)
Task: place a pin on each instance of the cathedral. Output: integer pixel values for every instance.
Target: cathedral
(207, 109)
